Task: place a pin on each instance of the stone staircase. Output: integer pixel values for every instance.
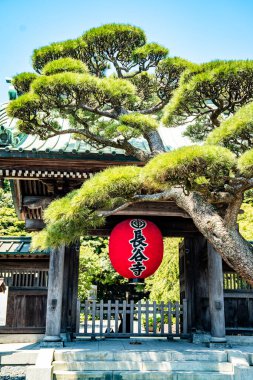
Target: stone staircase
(13, 365)
(142, 365)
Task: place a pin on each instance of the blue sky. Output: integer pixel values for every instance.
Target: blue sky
(197, 30)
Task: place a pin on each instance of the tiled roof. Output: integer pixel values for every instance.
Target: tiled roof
(67, 146)
(11, 245)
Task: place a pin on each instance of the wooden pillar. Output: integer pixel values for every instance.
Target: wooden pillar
(54, 296)
(76, 255)
(194, 282)
(216, 297)
(70, 289)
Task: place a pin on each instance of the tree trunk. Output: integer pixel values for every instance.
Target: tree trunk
(155, 142)
(227, 241)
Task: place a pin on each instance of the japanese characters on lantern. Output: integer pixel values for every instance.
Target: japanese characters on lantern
(138, 244)
(136, 248)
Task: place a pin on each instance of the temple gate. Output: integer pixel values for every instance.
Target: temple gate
(39, 171)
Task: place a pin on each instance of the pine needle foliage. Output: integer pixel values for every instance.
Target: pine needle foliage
(235, 133)
(210, 92)
(72, 216)
(194, 168)
(112, 85)
(63, 65)
(23, 81)
(70, 48)
(245, 163)
(139, 122)
(200, 168)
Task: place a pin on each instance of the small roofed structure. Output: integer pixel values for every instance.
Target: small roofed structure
(25, 273)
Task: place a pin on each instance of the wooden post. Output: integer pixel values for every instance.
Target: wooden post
(216, 297)
(70, 290)
(78, 313)
(185, 318)
(194, 282)
(54, 296)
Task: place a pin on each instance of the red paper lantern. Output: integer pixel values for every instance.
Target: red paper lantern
(136, 248)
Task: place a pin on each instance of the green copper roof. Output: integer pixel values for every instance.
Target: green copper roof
(64, 146)
(18, 246)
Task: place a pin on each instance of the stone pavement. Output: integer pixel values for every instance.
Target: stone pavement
(133, 344)
(135, 358)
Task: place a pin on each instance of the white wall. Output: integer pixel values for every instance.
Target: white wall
(3, 307)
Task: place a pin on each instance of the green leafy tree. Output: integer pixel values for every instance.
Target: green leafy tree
(245, 219)
(110, 107)
(210, 93)
(163, 285)
(95, 269)
(9, 223)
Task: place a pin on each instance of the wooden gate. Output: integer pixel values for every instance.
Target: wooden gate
(124, 319)
(27, 300)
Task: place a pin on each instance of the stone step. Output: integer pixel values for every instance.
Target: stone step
(145, 375)
(18, 358)
(80, 355)
(143, 366)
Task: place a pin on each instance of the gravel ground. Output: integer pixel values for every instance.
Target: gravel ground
(12, 373)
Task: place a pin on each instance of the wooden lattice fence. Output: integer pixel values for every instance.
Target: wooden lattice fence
(117, 319)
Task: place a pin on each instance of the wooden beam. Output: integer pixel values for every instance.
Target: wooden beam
(169, 226)
(21, 330)
(165, 208)
(21, 264)
(67, 165)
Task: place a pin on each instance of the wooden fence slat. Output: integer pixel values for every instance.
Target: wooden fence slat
(131, 316)
(147, 316)
(101, 316)
(154, 317)
(162, 317)
(169, 318)
(116, 316)
(93, 317)
(185, 316)
(86, 312)
(177, 317)
(124, 316)
(139, 317)
(108, 317)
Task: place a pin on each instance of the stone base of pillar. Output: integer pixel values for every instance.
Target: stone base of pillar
(66, 337)
(218, 342)
(45, 344)
(219, 345)
(52, 338)
(216, 339)
(52, 341)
